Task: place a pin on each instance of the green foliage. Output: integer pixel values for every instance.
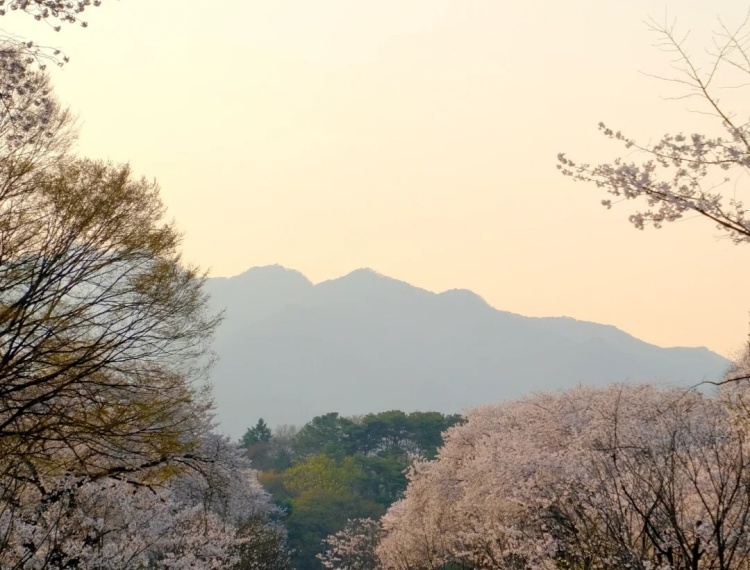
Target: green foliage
(417, 434)
(324, 434)
(261, 433)
(322, 473)
(337, 468)
(318, 513)
(383, 478)
(262, 546)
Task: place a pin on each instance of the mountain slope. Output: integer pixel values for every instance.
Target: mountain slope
(289, 350)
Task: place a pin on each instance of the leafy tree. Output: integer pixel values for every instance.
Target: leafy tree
(103, 349)
(106, 455)
(323, 434)
(319, 513)
(427, 430)
(282, 451)
(417, 434)
(323, 495)
(101, 325)
(337, 468)
(376, 433)
(383, 477)
(103, 329)
(322, 473)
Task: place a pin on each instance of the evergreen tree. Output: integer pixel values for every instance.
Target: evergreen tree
(261, 433)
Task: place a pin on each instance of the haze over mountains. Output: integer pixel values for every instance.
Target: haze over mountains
(289, 350)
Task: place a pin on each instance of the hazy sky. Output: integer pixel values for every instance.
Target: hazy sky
(415, 137)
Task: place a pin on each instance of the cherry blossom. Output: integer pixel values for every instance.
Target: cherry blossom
(624, 476)
(686, 173)
(353, 547)
(209, 513)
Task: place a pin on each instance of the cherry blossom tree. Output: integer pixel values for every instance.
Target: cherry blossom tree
(353, 547)
(27, 108)
(681, 478)
(624, 476)
(687, 173)
(113, 524)
(55, 14)
(212, 513)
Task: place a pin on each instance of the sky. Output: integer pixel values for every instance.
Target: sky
(417, 138)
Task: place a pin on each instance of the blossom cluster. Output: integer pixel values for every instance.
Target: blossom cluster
(201, 518)
(624, 476)
(686, 173)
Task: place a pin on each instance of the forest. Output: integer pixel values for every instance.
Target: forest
(335, 469)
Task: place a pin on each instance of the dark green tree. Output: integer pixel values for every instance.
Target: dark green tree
(324, 434)
(426, 430)
(261, 433)
(383, 477)
(417, 434)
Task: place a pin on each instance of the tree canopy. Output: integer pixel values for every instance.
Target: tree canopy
(616, 477)
(339, 468)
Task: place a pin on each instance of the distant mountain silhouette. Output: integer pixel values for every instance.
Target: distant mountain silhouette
(289, 350)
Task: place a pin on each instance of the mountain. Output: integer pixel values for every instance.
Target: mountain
(289, 350)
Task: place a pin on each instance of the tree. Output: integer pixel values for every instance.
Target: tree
(114, 525)
(215, 514)
(323, 496)
(227, 485)
(338, 468)
(55, 13)
(323, 434)
(427, 431)
(281, 451)
(353, 547)
(104, 338)
(596, 478)
(106, 455)
(318, 513)
(383, 478)
(103, 329)
(101, 326)
(21, 60)
(261, 433)
(262, 546)
(684, 174)
(322, 473)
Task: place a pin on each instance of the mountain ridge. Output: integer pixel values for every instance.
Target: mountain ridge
(364, 342)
